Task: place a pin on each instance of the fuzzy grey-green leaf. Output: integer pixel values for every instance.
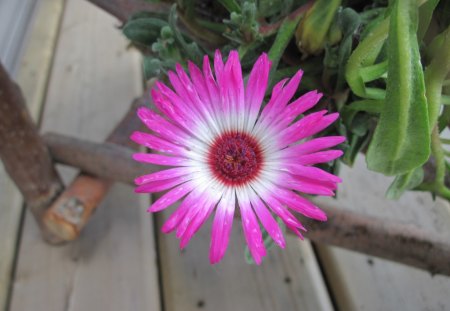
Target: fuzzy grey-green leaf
(402, 138)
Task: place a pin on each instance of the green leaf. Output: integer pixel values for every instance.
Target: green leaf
(401, 140)
(405, 182)
(312, 31)
(153, 67)
(192, 49)
(231, 5)
(365, 55)
(349, 21)
(284, 36)
(425, 14)
(360, 125)
(143, 30)
(243, 26)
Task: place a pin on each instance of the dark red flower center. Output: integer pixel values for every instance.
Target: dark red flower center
(235, 158)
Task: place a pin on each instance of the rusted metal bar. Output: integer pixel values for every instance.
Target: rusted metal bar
(24, 154)
(123, 9)
(379, 237)
(70, 213)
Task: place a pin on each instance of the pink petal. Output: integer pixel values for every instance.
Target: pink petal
(159, 159)
(251, 228)
(296, 231)
(209, 81)
(276, 93)
(156, 143)
(218, 66)
(198, 221)
(319, 157)
(278, 103)
(221, 228)
(281, 211)
(305, 185)
(171, 197)
(315, 145)
(161, 126)
(180, 99)
(165, 174)
(255, 89)
(299, 106)
(169, 109)
(267, 220)
(200, 85)
(233, 75)
(310, 172)
(161, 185)
(300, 204)
(174, 220)
(194, 209)
(307, 126)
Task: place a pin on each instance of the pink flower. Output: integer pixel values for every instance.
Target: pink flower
(228, 152)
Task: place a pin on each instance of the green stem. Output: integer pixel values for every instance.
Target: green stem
(438, 152)
(435, 75)
(438, 186)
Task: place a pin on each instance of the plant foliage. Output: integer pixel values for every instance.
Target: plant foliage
(384, 65)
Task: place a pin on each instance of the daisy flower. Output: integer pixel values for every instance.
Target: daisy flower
(228, 151)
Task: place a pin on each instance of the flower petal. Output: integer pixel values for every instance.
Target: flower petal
(221, 227)
(307, 126)
(160, 159)
(162, 127)
(267, 220)
(255, 89)
(299, 106)
(171, 197)
(165, 174)
(250, 225)
(310, 172)
(198, 220)
(314, 145)
(278, 103)
(319, 157)
(156, 143)
(300, 204)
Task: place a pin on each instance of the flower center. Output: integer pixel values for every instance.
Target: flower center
(235, 158)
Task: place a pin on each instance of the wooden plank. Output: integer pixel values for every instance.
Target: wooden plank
(112, 266)
(288, 279)
(361, 282)
(32, 76)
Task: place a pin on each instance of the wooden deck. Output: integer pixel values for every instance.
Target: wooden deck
(79, 79)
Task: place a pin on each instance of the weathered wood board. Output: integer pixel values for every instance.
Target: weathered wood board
(287, 279)
(113, 264)
(32, 73)
(360, 282)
